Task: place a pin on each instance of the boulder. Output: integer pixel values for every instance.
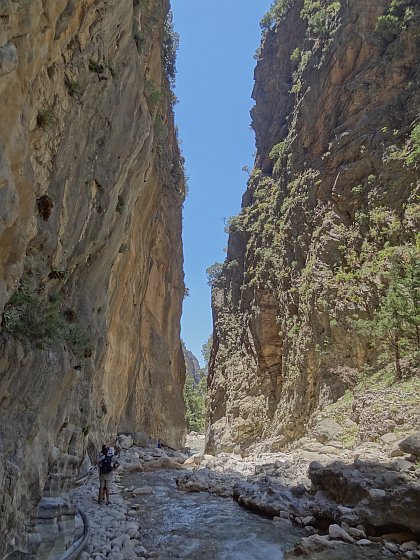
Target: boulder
(125, 441)
(140, 439)
(411, 444)
(327, 430)
(337, 532)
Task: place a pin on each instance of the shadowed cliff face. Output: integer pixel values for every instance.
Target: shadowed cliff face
(91, 280)
(331, 206)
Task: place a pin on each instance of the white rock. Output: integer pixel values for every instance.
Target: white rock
(309, 520)
(363, 542)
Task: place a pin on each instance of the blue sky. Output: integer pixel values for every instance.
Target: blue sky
(214, 82)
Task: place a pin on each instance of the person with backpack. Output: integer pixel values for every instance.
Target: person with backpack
(107, 463)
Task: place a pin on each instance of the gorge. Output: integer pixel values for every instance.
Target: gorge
(315, 347)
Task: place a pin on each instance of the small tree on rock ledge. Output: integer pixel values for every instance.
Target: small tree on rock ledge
(396, 323)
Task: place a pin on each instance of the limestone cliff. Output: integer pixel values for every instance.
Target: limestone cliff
(326, 234)
(91, 280)
(192, 365)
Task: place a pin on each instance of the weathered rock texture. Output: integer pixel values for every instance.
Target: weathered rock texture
(91, 280)
(330, 205)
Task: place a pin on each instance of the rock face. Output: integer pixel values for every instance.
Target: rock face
(192, 365)
(91, 280)
(329, 211)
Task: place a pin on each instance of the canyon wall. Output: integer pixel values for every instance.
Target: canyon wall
(91, 279)
(327, 232)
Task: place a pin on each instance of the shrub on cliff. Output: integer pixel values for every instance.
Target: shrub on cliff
(394, 20)
(277, 10)
(39, 317)
(395, 325)
(321, 15)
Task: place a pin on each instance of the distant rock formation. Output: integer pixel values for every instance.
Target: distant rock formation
(192, 365)
(91, 279)
(327, 232)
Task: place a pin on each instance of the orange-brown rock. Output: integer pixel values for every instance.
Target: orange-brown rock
(91, 280)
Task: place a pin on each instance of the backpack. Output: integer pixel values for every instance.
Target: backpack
(106, 465)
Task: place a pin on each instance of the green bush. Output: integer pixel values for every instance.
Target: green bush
(40, 318)
(322, 16)
(46, 117)
(170, 47)
(276, 11)
(214, 273)
(414, 154)
(97, 67)
(153, 94)
(395, 324)
(277, 155)
(73, 86)
(394, 20)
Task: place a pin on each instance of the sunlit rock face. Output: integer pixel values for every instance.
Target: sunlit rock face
(91, 280)
(337, 97)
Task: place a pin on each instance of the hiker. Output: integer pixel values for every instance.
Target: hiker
(107, 463)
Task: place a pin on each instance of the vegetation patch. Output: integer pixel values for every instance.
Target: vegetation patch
(43, 318)
(322, 16)
(395, 19)
(46, 117)
(277, 10)
(194, 397)
(73, 87)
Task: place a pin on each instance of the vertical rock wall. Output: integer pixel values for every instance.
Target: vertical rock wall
(331, 203)
(91, 280)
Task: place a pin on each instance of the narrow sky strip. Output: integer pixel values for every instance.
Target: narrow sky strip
(214, 82)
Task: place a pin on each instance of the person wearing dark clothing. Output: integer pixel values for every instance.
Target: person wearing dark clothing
(107, 463)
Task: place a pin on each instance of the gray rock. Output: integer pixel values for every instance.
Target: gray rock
(411, 444)
(298, 491)
(337, 532)
(389, 438)
(356, 533)
(327, 430)
(125, 441)
(140, 439)
(410, 545)
(8, 59)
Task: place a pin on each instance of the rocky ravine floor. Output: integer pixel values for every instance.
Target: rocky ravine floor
(368, 507)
